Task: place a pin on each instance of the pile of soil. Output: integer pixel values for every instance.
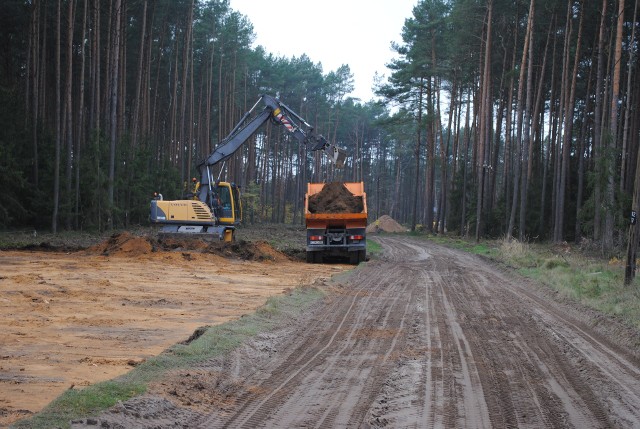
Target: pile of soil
(44, 246)
(123, 244)
(385, 223)
(335, 198)
(246, 250)
(129, 245)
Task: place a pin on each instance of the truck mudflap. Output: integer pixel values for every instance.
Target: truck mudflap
(336, 243)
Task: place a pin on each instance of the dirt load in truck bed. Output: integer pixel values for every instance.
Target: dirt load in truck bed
(335, 198)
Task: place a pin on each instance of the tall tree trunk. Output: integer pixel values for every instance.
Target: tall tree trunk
(42, 85)
(441, 209)
(115, 48)
(538, 118)
(80, 134)
(96, 85)
(527, 145)
(35, 79)
(581, 149)
(416, 153)
(550, 139)
(634, 230)
(69, 115)
(185, 165)
(607, 239)
(450, 173)
(467, 136)
(56, 165)
(497, 137)
(431, 158)
(137, 100)
(485, 124)
(518, 143)
(598, 116)
(625, 181)
(567, 136)
(508, 142)
(190, 138)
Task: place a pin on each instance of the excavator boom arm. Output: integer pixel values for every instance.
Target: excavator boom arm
(245, 128)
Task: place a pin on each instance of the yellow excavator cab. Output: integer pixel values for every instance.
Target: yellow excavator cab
(230, 204)
(195, 218)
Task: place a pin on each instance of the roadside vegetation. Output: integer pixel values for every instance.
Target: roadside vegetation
(374, 249)
(574, 272)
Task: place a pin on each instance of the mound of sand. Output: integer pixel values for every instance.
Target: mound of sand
(123, 244)
(128, 245)
(335, 198)
(385, 223)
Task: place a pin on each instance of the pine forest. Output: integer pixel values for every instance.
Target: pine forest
(496, 118)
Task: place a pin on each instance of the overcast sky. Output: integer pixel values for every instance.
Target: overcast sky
(332, 32)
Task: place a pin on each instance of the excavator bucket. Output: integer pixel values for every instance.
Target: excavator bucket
(337, 155)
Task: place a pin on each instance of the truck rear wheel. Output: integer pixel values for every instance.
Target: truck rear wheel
(314, 257)
(358, 256)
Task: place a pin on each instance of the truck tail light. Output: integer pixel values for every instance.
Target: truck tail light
(316, 238)
(356, 237)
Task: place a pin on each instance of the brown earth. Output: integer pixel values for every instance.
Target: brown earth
(385, 223)
(335, 198)
(70, 318)
(424, 336)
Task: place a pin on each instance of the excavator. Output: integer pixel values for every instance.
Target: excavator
(213, 208)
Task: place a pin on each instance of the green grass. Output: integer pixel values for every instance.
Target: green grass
(212, 341)
(373, 248)
(471, 246)
(77, 403)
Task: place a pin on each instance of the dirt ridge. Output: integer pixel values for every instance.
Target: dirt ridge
(126, 244)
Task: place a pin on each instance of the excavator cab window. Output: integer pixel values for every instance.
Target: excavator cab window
(224, 193)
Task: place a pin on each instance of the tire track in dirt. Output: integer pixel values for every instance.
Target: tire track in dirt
(427, 337)
(502, 355)
(316, 387)
(561, 347)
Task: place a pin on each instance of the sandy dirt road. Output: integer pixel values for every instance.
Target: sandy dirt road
(423, 337)
(70, 319)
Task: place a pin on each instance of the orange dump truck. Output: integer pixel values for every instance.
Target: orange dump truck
(336, 220)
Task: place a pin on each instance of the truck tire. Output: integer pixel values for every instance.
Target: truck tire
(358, 256)
(314, 257)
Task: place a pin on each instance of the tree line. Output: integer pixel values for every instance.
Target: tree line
(525, 116)
(105, 102)
(496, 118)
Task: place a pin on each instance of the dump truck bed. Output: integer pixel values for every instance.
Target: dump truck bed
(336, 221)
(356, 188)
